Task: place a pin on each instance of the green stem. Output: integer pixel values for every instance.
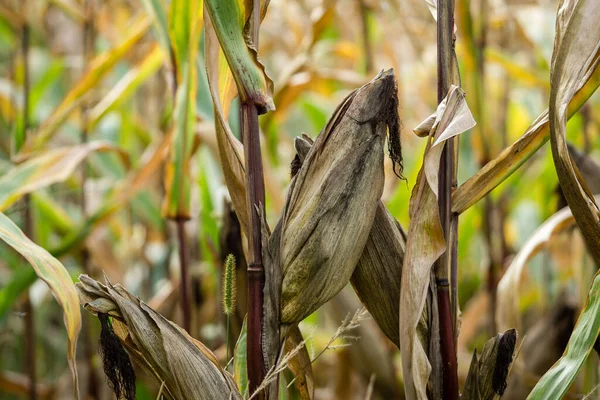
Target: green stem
(227, 340)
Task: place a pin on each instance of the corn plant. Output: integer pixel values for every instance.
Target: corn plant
(166, 153)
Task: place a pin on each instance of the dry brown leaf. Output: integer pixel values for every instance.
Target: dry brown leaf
(425, 243)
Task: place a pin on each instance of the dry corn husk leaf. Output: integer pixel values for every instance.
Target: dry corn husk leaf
(488, 372)
(332, 200)
(425, 243)
(376, 278)
(185, 366)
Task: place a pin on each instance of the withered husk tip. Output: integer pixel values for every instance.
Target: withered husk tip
(392, 119)
(506, 349)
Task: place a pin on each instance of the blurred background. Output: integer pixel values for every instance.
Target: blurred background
(96, 67)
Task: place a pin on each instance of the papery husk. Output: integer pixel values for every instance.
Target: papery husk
(376, 278)
(333, 199)
(187, 369)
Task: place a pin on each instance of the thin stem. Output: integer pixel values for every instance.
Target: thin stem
(185, 281)
(227, 339)
(446, 267)
(88, 52)
(368, 51)
(28, 308)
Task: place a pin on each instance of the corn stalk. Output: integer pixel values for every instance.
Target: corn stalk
(446, 265)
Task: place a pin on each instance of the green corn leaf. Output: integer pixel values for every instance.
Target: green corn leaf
(159, 15)
(231, 22)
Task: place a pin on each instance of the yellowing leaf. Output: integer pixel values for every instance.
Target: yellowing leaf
(127, 85)
(512, 157)
(51, 271)
(51, 167)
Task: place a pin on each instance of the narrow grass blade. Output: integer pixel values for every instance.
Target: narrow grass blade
(127, 85)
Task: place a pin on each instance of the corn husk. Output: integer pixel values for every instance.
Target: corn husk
(333, 199)
(185, 368)
(376, 278)
(488, 372)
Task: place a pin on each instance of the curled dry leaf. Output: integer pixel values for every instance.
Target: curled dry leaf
(332, 200)
(515, 155)
(576, 46)
(185, 366)
(507, 311)
(425, 243)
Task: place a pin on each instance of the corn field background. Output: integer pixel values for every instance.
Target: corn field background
(159, 162)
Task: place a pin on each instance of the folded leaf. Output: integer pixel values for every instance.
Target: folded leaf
(223, 90)
(575, 47)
